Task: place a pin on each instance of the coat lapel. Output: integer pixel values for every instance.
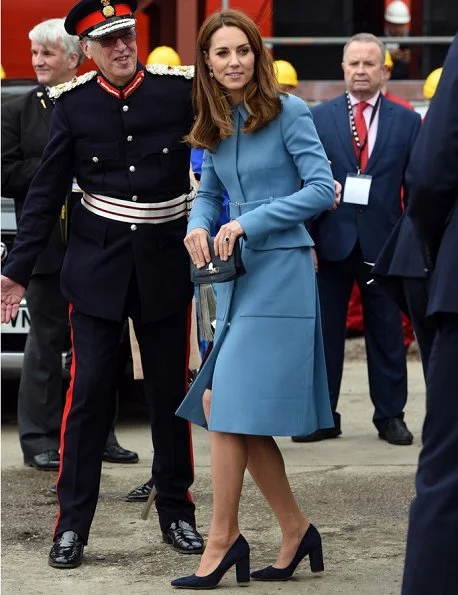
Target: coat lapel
(343, 129)
(385, 121)
(44, 104)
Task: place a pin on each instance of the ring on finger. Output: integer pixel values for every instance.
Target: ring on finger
(227, 238)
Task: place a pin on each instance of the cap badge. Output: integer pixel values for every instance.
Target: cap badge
(107, 10)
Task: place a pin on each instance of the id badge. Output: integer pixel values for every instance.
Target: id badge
(357, 189)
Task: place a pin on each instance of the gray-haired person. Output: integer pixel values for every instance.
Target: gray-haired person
(56, 56)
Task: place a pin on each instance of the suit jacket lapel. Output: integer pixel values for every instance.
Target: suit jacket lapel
(44, 104)
(385, 121)
(343, 130)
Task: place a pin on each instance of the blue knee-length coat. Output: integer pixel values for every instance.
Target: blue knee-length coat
(267, 365)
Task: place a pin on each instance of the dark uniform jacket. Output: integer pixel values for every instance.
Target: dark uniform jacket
(433, 184)
(131, 149)
(25, 130)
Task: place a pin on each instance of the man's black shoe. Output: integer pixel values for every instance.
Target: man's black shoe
(113, 453)
(48, 460)
(184, 538)
(395, 431)
(323, 434)
(140, 493)
(66, 551)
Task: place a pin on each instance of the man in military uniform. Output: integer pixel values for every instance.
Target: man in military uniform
(56, 56)
(119, 131)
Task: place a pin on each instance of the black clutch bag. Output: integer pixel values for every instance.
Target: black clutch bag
(217, 270)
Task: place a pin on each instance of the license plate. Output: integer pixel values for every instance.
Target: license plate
(20, 325)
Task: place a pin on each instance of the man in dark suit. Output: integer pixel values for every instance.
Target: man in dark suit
(56, 56)
(120, 132)
(368, 140)
(432, 545)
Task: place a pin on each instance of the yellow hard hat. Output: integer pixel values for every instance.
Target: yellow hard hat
(431, 82)
(2, 73)
(388, 60)
(164, 55)
(285, 73)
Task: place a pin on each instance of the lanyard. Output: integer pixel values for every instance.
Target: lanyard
(361, 146)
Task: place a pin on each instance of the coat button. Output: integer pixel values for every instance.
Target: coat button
(134, 198)
(133, 227)
(95, 159)
(228, 325)
(360, 210)
(165, 150)
(129, 138)
(125, 108)
(132, 168)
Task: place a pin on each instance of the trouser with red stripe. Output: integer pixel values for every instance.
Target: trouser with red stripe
(89, 412)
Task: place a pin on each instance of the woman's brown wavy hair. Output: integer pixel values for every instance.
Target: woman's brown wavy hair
(211, 101)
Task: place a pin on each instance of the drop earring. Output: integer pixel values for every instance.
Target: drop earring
(210, 73)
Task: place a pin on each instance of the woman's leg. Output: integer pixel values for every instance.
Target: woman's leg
(228, 464)
(267, 468)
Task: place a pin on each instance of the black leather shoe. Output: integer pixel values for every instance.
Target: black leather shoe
(113, 453)
(140, 493)
(395, 431)
(323, 434)
(183, 537)
(66, 551)
(48, 460)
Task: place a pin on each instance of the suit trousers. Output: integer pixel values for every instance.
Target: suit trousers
(432, 545)
(416, 295)
(40, 399)
(386, 359)
(89, 411)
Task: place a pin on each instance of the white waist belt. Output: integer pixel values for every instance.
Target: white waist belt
(143, 212)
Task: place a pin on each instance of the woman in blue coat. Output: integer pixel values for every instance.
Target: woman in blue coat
(266, 371)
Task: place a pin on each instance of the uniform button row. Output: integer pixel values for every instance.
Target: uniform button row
(165, 150)
(125, 108)
(133, 227)
(130, 138)
(131, 167)
(134, 197)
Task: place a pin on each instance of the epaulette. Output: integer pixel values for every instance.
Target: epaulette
(76, 81)
(186, 71)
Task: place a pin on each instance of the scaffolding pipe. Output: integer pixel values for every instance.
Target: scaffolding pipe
(422, 40)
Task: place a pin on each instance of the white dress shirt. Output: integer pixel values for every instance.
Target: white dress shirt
(367, 117)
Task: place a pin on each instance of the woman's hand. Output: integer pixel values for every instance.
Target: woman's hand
(337, 195)
(196, 243)
(226, 238)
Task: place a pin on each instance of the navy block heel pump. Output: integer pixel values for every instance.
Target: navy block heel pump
(310, 545)
(238, 554)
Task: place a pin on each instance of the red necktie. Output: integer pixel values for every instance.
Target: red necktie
(361, 129)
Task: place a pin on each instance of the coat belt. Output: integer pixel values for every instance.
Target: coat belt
(143, 212)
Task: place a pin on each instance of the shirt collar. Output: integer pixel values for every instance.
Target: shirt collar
(126, 90)
(372, 100)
